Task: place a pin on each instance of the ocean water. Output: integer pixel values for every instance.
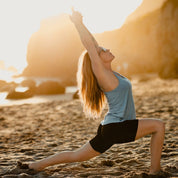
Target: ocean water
(34, 99)
(38, 98)
(8, 77)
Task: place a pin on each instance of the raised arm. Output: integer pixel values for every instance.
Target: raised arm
(88, 41)
(86, 37)
(105, 77)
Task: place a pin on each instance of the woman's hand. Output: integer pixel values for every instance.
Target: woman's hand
(76, 17)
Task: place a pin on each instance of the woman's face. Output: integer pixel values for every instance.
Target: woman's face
(106, 55)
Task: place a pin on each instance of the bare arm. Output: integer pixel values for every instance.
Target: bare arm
(77, 19)
(88, 40)
(104, 77)
(92, 37)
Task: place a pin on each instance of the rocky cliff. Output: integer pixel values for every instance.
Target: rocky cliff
(149, 43)
(146, 44)
(53, 51)
(168, 39)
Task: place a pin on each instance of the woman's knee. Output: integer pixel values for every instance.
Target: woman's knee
(149, 126)
(159, 126)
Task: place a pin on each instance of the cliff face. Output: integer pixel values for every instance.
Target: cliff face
(146, 7)
(53, 51)
(136, 45)
(146, 44)
(168, 41)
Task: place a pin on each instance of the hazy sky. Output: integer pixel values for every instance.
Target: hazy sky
(19, 19)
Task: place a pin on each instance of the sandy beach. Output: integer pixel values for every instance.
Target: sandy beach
(31, 132)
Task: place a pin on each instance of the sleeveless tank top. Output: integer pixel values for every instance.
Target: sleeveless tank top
(120, 102)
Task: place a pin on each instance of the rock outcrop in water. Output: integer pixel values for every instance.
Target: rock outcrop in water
(50, 87)
(20, 95)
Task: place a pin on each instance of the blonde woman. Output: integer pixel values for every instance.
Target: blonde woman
(97, 81)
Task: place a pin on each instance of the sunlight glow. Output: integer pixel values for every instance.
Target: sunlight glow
(20, 19)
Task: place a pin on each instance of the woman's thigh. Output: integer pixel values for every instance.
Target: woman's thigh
(148, 126)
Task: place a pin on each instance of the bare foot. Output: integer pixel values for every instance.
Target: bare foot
(154, 172)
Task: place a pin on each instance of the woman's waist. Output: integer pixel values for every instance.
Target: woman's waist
(111, 119)
(120, 115)
(115, 112)
(114, 118)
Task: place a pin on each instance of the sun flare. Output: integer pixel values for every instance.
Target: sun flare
(23, 18)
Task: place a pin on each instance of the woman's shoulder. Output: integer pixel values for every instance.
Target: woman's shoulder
(108, 81)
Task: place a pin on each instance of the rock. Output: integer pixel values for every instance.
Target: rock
(50, 87)
(28, 83)
(7, 87)
(3, 86)
(168, 36)
(53, 50)
(76, 95)
(20, 95)
(68, 81)
(2, 83)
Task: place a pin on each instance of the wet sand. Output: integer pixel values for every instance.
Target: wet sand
(34, 131)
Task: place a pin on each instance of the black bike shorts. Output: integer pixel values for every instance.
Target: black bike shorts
(120, 132)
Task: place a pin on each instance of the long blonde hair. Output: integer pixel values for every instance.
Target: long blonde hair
(90, 93)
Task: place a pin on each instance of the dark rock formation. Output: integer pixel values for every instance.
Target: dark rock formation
(28, 83)
(20, 95)
(50, 87)
(45, 88)
(54, 50)
(148, 43)
(145, 7)
(169, 39)
(6, 87)
(76, 95)
(2, 83)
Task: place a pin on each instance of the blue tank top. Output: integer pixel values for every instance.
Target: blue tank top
(120, 102)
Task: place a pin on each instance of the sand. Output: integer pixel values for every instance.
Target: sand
(31, 132)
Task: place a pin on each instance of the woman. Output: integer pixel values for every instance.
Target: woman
(97, 81)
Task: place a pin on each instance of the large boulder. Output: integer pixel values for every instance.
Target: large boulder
(28, 83)
(2, 83)
(6, 87)
(76, 95)
(20, 95)
(50, 87)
